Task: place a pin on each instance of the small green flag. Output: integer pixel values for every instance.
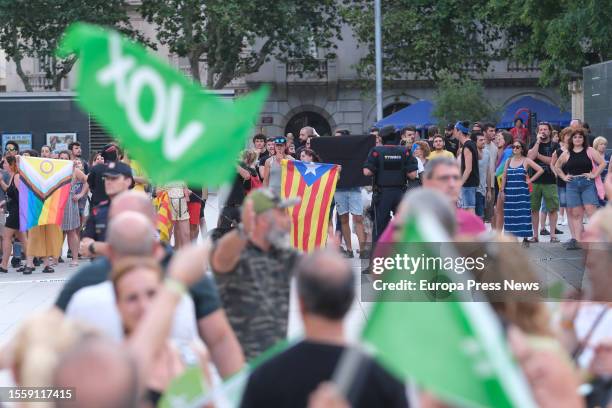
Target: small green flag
(454, 349)
(173, 128)
(184, 390)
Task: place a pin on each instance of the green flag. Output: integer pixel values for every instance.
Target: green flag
(229, 394)
(184, 390)
(174, 129)
(454, 349)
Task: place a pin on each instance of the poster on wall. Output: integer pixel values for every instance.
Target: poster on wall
(24, 140)
(60, 141)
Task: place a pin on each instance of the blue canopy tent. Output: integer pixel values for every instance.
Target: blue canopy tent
(417, 114)
(546, 112)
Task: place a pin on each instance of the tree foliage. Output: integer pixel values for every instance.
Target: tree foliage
(560, 36)
(33, 28)
(426, 37)
(462, 99)
(237, 37)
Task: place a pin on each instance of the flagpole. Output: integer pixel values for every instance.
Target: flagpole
(378, 51)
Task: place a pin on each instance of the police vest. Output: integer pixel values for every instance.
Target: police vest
(391, 168)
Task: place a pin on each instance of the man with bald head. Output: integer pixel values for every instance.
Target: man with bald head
(130, 234)
(326, 289)
(134, 234)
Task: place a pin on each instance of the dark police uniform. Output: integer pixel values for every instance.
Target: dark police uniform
(95, 228)
(390, 165)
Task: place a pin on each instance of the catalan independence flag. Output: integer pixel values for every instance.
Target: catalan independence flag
(164, 221)
(315, 183)
(44, 190)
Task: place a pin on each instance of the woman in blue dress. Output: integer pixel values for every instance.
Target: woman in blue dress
(515, 191)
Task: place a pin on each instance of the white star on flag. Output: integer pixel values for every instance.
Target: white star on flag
(312, 168)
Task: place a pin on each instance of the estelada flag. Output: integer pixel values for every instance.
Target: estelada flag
(315, 183)
(164, 222)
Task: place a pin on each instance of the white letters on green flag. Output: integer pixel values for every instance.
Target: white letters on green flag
(174, 129)
(454, 349)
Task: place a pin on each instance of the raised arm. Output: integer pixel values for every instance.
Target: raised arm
(226, 254)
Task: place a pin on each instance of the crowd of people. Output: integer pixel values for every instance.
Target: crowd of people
(142, 311)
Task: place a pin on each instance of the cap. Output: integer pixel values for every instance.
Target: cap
(450, 126)
(114, 169)
(265, 199)
(280, 140)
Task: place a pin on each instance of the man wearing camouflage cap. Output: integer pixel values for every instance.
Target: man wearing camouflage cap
(252, 267)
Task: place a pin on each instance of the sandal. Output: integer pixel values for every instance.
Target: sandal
(554, 240)
(73, 264)
(28, 270)
(533, 240)
(48, 269)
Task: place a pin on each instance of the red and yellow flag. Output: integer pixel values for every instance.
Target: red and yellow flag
(164, 220)
(315, 183)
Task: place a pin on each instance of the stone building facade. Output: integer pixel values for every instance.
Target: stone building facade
(331, 97)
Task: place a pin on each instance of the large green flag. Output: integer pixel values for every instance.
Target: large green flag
(454, 349)
(174, 129)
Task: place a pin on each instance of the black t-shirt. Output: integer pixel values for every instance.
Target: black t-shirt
(204, 293)
(96, 184)
(240, 187)
(97, 222)
(262, 158)
(473, 180)
(288, 379)
(452, 145)
(545, 149)
(195, 194)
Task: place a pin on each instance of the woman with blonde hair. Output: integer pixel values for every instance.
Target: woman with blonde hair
(136, 281)
(38, 345)
(600, 144)
(506, 261)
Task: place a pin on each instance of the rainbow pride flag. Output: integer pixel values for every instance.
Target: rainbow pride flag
(44, 190)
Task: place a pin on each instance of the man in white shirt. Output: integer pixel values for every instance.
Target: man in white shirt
(130, 234)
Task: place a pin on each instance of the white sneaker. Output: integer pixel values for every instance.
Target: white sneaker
(564, 221)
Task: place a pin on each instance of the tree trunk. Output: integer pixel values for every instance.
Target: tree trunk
(22, 75)
(194, 66)
(57, 83)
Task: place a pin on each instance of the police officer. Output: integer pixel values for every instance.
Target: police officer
(392, 166)
(117, 179)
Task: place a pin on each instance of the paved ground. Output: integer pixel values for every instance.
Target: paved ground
(21, 296)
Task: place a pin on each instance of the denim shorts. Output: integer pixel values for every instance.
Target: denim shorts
(468, 197)
(348, 200)
(581, 191)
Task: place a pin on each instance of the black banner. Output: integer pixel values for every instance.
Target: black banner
(348, 151)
